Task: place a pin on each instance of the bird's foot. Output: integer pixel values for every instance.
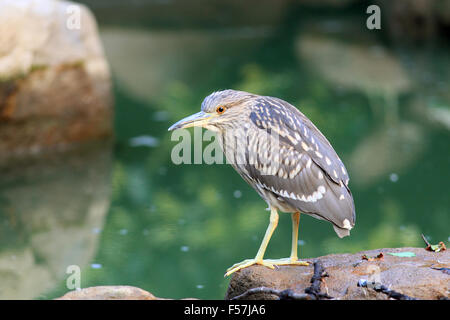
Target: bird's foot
(248, 263)
(287, 262)
(270, 263)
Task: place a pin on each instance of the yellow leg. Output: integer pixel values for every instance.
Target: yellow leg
(295, 222)
(293, 260)
(262, 248)
(273, 223)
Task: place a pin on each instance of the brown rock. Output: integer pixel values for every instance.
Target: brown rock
(112, 293)
(109, 293)
(55, 88)
(412, 276)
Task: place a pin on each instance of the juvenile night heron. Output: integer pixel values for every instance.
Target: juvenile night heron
(280, 153)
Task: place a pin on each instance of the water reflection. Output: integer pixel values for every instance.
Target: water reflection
(171, 57)
(365, 67)
(389, 149)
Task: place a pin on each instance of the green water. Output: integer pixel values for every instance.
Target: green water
(126, 215)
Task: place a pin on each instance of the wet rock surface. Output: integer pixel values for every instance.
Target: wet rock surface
(416, 276)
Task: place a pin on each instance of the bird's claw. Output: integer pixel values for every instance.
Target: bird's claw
(287, 262)
(247, 263)
(270, 263)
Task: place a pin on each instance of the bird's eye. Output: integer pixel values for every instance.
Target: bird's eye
(220, 109)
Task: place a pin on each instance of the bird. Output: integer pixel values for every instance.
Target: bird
(278, 151)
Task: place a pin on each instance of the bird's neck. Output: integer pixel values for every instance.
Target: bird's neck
(233, 143)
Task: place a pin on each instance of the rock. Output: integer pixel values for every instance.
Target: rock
(109, 293)
(412, 276)
(55, 86)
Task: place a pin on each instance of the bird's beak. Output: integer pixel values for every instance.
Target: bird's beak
(198, 119)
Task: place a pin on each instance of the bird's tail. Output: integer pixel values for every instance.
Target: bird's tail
(341, 232)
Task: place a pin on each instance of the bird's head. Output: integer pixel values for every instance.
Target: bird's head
(220, 110)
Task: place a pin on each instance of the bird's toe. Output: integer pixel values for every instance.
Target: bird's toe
(287, 262)
(247, 263)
